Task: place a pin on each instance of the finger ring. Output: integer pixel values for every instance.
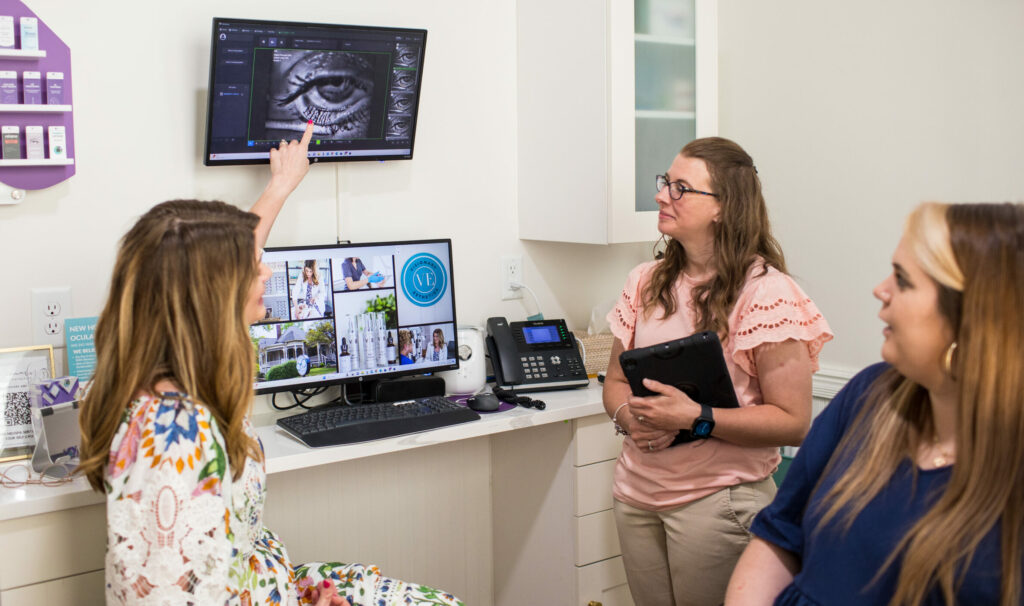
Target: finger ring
(649, 445)
(640, 418)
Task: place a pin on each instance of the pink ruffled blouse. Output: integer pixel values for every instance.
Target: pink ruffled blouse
(770, 308)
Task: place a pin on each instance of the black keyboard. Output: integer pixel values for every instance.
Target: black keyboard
(334, 425)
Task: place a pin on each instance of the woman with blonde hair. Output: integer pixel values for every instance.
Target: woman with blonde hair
(683, 510)
(166, 432)
(909, 489)
(309, 293)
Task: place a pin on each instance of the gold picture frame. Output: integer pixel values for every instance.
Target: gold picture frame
(20, 369)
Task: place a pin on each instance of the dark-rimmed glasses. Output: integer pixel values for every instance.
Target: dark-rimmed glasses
(676, 189)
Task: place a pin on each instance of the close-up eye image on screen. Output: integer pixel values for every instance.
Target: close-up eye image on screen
(359, 85)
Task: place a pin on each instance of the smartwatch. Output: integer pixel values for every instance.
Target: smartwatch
(703, 424)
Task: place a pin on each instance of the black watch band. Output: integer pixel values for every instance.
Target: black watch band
(704, 424)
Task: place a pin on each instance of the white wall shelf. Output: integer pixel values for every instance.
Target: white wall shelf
(655, 39)
(42, 162)
(18, 54)
(34, 108)
(661, 114)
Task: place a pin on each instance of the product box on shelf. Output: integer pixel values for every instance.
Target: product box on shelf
(6, 31)
(31, 88)
(8, 87)
(58, 142)
(54, 88)
(29, 33)
(11, 142)
(34, 143)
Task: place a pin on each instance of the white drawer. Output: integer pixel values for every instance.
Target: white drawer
(603, 582)
(596, 538)
(595, 440)
(52, 545)
(79, 589)
(593, 487)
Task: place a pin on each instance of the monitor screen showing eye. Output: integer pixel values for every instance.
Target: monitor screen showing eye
(359, 85)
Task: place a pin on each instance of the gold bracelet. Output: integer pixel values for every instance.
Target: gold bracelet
(619, 431)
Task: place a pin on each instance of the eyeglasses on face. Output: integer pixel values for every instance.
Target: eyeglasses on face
(676, 189)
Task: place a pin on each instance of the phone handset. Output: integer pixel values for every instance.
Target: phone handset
(505, 354)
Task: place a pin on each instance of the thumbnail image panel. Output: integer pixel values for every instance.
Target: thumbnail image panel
(275, 293)
(367, 327)
(363, 270)
(309, 281)
(288, 350)
(430, 344)
(342, 92)
(424, 284)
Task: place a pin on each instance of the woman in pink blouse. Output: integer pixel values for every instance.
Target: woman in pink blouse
(683, 512)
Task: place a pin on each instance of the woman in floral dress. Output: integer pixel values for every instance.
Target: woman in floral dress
(165, 426)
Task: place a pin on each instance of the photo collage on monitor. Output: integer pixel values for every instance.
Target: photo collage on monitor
(355, 311)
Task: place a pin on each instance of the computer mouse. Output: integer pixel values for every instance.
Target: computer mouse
(484, 402)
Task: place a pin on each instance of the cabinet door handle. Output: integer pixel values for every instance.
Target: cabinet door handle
(594, 603)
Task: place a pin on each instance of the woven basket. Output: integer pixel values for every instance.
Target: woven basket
(598, 350)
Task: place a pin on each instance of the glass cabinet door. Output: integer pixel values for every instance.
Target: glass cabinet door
(665, 85)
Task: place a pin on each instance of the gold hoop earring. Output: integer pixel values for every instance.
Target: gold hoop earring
(947, 360)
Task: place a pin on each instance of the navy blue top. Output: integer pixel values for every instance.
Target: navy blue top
(837, 567)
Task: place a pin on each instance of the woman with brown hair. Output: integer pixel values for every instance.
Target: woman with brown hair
(683, 511)
(166, 432)
(910, 487)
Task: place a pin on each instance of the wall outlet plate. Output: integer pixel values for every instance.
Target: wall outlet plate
(50, 307)
(511, 271)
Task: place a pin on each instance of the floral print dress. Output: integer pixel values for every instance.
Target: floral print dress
(181, 530)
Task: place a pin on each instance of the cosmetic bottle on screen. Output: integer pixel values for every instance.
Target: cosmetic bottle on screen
(392, 357)
(382, 341)
(344, 358)
(369, 345)
(353, 343)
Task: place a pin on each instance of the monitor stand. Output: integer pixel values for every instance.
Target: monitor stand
(407, 388)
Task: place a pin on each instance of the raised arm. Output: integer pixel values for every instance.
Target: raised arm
(289, 163)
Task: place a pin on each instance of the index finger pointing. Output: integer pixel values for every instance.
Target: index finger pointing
(308, 135)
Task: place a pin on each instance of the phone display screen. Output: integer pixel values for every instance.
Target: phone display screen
(541, 334)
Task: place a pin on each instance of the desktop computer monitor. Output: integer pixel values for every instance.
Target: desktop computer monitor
(355, 312)
(359, 85)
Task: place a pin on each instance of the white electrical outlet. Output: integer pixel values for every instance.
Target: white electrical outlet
(50, 307)
(511, 271)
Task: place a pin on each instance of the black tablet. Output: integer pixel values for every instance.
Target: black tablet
(695, 365)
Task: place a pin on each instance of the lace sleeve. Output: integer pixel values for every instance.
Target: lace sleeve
(168, 538)
(772, 309)
(622, 317)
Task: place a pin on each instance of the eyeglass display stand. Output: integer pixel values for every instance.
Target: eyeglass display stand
(56, 453)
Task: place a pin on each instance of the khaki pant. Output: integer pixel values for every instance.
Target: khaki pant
(684, 556)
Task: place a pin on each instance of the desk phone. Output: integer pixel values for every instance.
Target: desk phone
(536, 355)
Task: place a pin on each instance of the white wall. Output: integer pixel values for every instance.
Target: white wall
(856, 111)
(139, 101)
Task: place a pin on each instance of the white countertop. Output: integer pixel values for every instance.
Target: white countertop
(284, 453)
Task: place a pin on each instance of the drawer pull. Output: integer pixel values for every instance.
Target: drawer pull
(594, 603)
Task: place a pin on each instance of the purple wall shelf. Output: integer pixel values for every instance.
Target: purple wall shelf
(53, 56)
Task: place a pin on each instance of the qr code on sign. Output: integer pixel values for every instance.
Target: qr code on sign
(17, 410)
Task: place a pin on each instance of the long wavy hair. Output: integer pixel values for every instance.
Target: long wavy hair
(176, 311)
(975, 254)
(741, 236)
(314, 275)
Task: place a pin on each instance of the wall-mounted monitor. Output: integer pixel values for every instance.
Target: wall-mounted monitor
(360, 86)
(355, 312)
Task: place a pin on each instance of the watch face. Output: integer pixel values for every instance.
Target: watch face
(702, 429)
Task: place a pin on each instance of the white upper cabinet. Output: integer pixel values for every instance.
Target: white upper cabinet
(609, 91)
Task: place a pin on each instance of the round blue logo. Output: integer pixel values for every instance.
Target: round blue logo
(424, 280)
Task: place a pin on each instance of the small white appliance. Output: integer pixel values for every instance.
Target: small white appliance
(471, 375)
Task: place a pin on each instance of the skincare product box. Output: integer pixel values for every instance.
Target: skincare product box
(6, 31)
(32, 88)
(8, 88)
(11, 142)
(54, 88)
(34, 143)
(58, 143)
(29, 33)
